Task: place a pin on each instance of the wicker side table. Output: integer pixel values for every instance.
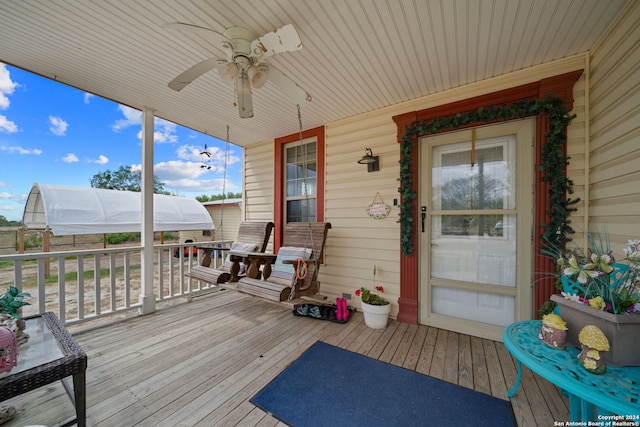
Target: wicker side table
(51, 354)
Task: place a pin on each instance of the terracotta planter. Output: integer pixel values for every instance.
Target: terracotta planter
(376, 316)
(621, 330)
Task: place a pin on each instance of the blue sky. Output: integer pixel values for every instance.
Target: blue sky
(53, 134)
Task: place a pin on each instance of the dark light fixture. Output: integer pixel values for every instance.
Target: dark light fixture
(372, 162)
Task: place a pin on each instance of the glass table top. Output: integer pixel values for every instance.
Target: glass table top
(42, 347)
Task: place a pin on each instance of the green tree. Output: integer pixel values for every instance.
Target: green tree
(230, 195)
(124, 179)
(4, 222)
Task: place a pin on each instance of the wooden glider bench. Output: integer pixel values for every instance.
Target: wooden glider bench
(253, 237)
(278, 280)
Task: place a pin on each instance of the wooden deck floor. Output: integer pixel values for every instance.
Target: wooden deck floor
(199, 363)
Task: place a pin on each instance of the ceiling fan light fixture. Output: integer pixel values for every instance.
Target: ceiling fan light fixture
(228, 72)
(241, 65)
(258, 75)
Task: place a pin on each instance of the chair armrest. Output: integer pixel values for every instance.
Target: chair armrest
(260, 255)
(256, 259)
(206, 258)
(295, 261)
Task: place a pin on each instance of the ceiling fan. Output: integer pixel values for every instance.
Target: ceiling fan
(244, 65)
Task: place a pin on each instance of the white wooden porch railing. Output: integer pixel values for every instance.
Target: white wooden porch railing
(87, 284)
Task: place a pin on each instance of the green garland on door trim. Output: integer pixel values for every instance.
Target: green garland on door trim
(553, 165)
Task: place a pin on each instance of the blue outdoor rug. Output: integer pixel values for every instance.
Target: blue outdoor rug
(329, 386)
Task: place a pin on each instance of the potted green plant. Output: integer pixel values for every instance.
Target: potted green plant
(599, 291)
(375, 308)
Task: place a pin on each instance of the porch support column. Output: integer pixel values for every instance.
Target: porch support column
(409, 264)
(147, 297)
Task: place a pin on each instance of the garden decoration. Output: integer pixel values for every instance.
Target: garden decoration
(593, 342)
(553, 331)
(378, 209)
(599, 291)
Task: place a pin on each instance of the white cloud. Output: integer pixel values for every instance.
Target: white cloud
(70, 158)
(215, 162)
(189, 152)
(175, 169)
(131, 117)
(57, 126)
(180, 176)
(164, 131)
(199, 186)
(102, 160)
(87, 97)
(20, 198)
(7, 125)
(7, 86)
(20, 150)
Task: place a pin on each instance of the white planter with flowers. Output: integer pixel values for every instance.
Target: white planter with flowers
(376, 316)
(375, 308)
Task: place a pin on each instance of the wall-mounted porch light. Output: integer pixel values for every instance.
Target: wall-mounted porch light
(372, 162)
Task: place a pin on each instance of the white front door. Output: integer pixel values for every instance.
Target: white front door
(476, 224)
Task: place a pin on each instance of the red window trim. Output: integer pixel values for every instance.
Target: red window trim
(278, 200)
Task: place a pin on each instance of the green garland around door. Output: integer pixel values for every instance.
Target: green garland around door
(553, 165)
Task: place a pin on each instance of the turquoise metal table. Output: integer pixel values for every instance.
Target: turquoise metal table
(615, 396)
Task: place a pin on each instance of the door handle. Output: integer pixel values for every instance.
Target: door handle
(423, 215)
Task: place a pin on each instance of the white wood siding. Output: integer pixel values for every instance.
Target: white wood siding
(577, 170)
(356, 242)
(258, 182)
(227, 220)
(614, 149)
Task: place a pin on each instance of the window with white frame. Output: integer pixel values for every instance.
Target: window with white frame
(300, 162)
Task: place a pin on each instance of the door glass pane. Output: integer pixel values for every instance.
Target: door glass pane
(476, 306)
(466, 252)
(473, 179)
(467, 243)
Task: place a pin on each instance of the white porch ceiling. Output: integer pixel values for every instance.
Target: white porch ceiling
(357, 56)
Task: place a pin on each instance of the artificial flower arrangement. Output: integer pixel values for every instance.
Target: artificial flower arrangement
(371, 297)
(12, 301)
(596, 280)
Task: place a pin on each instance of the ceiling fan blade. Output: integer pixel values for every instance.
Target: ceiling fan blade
(203, 31)
(288, 86)
(217, 38)
(193, 73)
(284, 39)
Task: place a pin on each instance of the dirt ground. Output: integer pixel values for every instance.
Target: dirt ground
(29, 278)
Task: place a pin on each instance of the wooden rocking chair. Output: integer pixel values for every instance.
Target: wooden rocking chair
(281, 277)
(253, 237)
